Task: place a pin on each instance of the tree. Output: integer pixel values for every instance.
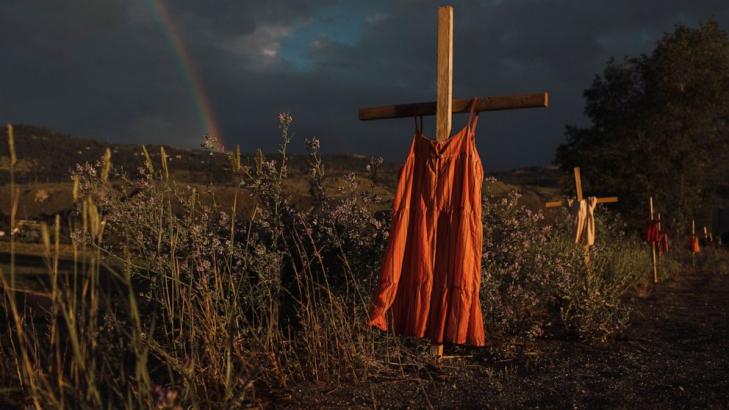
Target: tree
(660, 126)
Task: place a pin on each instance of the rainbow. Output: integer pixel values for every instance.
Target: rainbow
(203, 107)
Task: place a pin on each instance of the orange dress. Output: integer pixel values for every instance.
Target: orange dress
(431, 271)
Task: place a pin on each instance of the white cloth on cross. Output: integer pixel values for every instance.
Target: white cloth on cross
(585, 218)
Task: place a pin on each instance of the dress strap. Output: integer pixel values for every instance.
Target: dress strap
(418, 127)
(471, 117)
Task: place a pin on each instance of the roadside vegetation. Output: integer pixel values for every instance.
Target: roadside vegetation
(175, 301)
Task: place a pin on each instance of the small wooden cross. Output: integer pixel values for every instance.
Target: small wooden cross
(693, 233)
(653, 244)
(580, 197)
(445, 105)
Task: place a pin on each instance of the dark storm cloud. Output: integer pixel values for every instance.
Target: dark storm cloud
(107, 70)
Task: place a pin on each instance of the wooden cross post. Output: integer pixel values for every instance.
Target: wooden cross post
(661, 236)
(693, 233)
(444, 106)
(444, 74)
(659, 222)
(708, 235)
(653, 246)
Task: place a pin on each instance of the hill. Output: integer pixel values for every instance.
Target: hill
(46, 158)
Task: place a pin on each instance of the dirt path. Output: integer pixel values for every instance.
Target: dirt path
(675, 354)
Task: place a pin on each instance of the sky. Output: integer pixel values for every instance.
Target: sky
(170, 71)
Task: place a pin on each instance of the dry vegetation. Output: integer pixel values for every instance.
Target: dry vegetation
(174, 298)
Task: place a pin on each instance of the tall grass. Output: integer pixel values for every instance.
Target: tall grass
(181, 302)
(175, 300)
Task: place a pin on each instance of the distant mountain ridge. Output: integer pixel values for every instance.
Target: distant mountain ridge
(47, 156)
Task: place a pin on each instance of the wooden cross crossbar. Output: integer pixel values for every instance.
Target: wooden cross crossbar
(445, 106)
(580, 197)
(498, 103)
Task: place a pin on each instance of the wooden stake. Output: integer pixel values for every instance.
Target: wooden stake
(436, 350)
(653, 248)
(693, 233)
(578, 184)
(444, 81)
(580, 197)
(659, 232)
(708, 236)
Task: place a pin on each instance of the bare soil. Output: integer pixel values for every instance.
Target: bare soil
(675, 354)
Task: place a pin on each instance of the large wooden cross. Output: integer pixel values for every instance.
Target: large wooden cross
(445, 105)
(691, 246)
(580, 197)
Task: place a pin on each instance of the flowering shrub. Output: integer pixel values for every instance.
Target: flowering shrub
(518, 272)
(535, 276)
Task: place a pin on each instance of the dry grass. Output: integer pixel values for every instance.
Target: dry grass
(154, 314)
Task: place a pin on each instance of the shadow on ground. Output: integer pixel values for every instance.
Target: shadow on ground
(675, 354)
